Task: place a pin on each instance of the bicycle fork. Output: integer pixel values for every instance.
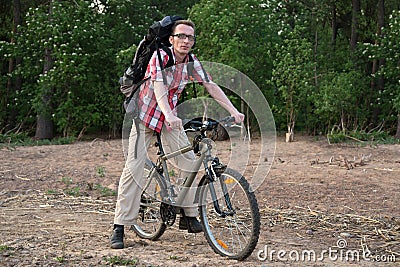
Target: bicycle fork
(222, 213)
(215, 172)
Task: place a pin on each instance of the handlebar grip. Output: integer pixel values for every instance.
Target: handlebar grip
(231, 119)
(228, 120)
(196, 123)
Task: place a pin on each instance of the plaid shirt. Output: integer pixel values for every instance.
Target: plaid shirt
(177, 77)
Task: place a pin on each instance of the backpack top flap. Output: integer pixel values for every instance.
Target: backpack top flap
(162, 29)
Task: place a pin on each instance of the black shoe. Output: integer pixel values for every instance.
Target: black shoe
(117, 238)
(191, 224)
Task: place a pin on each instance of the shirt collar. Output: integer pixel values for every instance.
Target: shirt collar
(185, 60)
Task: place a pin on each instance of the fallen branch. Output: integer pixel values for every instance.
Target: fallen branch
(342, 161)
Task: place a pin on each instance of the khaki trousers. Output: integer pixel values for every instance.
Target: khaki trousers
(132, 181)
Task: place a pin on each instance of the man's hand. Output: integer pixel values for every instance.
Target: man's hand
(239, 117)
(173, 121)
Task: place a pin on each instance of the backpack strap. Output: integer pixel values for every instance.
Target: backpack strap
(137, 122)
(190, 70)
(190, 73)
(169, 63)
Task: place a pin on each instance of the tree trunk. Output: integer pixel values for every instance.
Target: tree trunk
(379, 84)
(44, 127)
(382, 61)
(334, 27)
(13, 86)
(291, 118)
(315, 59)
(356, 13)
(398, 127)
(18, 60)
(242, 110)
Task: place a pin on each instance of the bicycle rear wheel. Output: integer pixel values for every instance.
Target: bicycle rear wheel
(235, 232)
(149, 224)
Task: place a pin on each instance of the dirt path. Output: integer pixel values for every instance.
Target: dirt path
(56, 209)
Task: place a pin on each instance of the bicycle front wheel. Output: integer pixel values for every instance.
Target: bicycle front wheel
(149, 224)
(231, 221)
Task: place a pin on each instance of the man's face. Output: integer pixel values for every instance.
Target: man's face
(182, 44)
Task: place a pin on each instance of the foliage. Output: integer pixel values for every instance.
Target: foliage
(84, 40)
(238, 34)
(104, 191)
(293, 72)
(388, 98)
(304, 66)
(119, 260)
(176, 7)
(338, 100)
(5, 247)
(361, 137)
(12, 140)
(389, 48)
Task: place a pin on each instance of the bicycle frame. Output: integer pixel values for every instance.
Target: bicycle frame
(204, 158)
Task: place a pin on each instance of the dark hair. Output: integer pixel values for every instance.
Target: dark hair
(185, 22)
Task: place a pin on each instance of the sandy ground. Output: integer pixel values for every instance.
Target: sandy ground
(57, 204)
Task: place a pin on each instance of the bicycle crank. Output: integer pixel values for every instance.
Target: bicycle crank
(168, 214)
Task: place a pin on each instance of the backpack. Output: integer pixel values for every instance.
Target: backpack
(156, 38)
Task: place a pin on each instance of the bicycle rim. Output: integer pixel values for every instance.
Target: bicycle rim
(149, 224)
(234, 236)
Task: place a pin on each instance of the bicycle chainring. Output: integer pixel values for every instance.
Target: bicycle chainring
(168, 214)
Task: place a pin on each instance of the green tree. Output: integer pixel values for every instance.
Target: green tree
(11, 18)
(306, 56)
(81, 41)
(173, 7)
(236, 33)
(239, 34)
(293, 74)
(388, 48)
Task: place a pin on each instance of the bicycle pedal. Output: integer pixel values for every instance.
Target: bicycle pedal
(168, 214)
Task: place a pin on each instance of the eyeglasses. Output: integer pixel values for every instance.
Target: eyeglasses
(182, 36)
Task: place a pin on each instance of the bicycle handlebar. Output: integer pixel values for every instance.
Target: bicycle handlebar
(207, 125)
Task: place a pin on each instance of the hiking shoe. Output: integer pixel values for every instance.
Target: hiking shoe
(191, 224)
(117, 238)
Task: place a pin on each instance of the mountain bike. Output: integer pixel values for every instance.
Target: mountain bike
(227, 205)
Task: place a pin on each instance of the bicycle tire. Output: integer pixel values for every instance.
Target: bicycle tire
(149, 224)
(236, 235)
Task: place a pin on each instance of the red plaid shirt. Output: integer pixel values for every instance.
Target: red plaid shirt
(177, 78)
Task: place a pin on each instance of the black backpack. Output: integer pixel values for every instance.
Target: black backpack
(156, 38)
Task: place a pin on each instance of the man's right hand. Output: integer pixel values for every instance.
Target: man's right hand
(173, 121)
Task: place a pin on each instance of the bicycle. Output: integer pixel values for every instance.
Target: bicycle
(228, 208)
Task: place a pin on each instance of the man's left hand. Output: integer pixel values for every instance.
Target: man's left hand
(239, 117)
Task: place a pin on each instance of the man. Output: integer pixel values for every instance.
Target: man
(157, 103)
